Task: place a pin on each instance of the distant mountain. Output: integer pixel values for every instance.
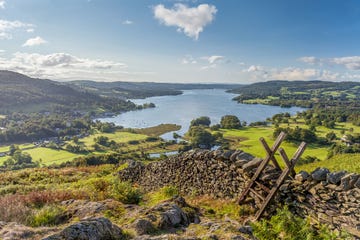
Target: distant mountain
(143, 89)
(20, 92)
(276, 87)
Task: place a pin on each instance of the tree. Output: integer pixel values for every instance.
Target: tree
(201, 138)
(230, 121)
(205, 121)
(330, 136)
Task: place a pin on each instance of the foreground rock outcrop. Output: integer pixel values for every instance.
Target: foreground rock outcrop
(331, 197)
(90, 229)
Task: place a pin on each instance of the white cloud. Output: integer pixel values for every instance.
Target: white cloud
(30, 30)
(352, 62)
(2, 4)
(190, 20)
(254, 68)
(127, 22)
(214, 59)
(61, 66)
(188, 59)
(34, 42)
(6, 28)
(349, 62)
(261, 73)
(310, 60)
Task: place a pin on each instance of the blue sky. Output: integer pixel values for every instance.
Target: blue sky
(181, 41)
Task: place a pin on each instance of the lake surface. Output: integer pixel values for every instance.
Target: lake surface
(181, 109)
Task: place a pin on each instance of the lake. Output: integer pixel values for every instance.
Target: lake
(181, 109)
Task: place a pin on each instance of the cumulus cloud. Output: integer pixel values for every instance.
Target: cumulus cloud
(352, 62)
(6, 28)
(60, 66)
(310, 60)
(349, 62)
(261, 73)
(34, 42)
(189, 20)
(2, 4)
(127, 22)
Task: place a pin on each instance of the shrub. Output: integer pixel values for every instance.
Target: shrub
(285, 225)
(125, 192)
(48, 216)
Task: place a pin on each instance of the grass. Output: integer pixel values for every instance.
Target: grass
(21, 146)
(247, 139)
(118, 136)
(49, 156)
(347, 162)
(158, 130)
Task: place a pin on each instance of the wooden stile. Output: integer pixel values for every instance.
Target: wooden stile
(286, 172)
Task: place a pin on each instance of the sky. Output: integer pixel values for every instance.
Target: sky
(182, 41)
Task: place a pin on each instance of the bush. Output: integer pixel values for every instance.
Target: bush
(285, 225)
(125, 192)
(230, 122)
(48, 216)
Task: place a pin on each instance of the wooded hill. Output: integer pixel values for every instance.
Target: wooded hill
(130, 90)
(20, 92)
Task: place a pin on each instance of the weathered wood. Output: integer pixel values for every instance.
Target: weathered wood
(257, 194)
(268, 151)
(263, 187)
(263, 164)
(270, 155)
(281, 179)
(287, 161)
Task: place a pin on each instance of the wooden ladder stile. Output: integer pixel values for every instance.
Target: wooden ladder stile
(270, 155)
(286, 172)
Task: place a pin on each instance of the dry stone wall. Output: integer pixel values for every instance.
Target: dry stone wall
(331, 197)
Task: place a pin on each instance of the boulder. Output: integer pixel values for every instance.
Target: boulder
(335, 177)
(143, 226)
(320, 174)
(348, 181)
(90, 229)
(252, 164)
(302, 176)
(245, 156)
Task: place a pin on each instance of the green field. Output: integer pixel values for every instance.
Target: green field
(49, 156)
(347, 162)
(247, 139)
(21, 146)
(118, 136)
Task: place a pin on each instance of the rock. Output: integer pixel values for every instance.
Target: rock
(335, 177)
(348, 181)
(357, 184)
(237, 237)
(246, 229)
(172, 216)
(302, 176)
(226, 155)
(252, 164)
(16, 231)
(319, 174)
(240, 163)
(143, 226)
(234, 155)
(245, 156)
(90, 229)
